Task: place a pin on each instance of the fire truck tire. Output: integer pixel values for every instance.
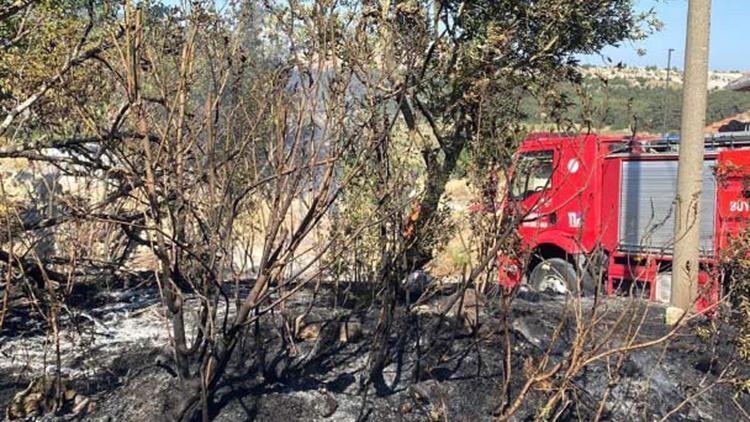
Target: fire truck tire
(559, 276)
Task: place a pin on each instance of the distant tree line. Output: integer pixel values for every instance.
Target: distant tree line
(618, 105)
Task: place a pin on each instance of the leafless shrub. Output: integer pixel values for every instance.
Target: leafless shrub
(251, 150)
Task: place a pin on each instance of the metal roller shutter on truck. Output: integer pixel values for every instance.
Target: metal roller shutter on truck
(647, 206)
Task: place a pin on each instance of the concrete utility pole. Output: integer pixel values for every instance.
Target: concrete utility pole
(690, 173)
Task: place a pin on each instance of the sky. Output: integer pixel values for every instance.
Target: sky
(729, 47)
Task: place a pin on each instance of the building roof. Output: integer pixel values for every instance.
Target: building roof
(741, 84)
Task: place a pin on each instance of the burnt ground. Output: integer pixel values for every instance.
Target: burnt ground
(114, 353)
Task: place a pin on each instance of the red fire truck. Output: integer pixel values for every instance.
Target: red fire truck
(589, 204)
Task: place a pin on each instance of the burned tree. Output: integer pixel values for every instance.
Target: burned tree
(244, 152)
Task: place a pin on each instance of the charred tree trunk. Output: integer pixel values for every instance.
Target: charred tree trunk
(419, 252)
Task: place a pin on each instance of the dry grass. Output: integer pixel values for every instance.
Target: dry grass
(458, 191)
(450, 261)
(459, 252)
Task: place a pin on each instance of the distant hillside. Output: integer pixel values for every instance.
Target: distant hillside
(651, 77)
(622, 98)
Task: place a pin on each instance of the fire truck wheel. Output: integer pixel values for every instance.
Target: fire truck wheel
(559, 276)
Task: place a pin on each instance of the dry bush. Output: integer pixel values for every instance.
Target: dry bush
(737, 273)
(253, 149)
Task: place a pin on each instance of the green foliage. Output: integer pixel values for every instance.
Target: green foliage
(40, 48)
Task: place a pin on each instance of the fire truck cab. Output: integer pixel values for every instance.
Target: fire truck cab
(590, 205)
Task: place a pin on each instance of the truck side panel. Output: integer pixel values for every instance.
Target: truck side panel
(610, 204)
(647, 206)
(733, 213)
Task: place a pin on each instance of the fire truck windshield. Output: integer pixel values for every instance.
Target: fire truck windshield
(532, 173)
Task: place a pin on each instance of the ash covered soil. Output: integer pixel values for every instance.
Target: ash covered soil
(115, 355)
